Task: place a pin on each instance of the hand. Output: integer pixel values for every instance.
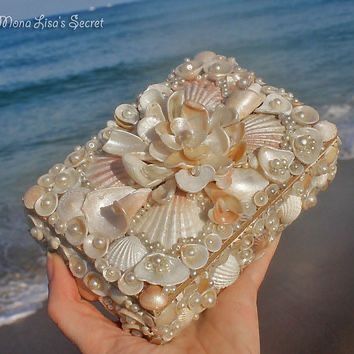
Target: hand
(230, 327)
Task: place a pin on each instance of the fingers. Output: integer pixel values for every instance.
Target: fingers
(80, 321)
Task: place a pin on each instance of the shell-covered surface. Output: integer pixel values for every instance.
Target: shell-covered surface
(182, 189)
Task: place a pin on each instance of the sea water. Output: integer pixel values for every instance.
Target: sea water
(58, 86)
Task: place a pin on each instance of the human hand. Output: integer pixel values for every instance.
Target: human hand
(229, 327)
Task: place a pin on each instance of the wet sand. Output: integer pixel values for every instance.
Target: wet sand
(306, 304)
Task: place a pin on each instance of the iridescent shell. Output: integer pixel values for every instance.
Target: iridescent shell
(327, 130)
(126, 115)
(128, 284)
(166, 223)
(125, 252)
(290, 209)
(107, 171)
(96, 283)
(202, 93)
(275, 104)
(95, 246)
(150, 96)
(305, 115)
(262, 130)
(32, 195)
(46, 204)
(226, 274)
(77, 266)
(189, 70)
(194, 256)
(63, 181)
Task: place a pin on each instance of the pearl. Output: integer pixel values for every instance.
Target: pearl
(152, 298)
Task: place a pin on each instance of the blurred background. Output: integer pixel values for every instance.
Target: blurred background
(58, 87)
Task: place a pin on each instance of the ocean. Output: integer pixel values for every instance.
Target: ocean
(59, 86)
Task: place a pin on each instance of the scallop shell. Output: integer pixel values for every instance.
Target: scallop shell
(327, 130)
(305, 115)
(189, 70)
(179, 218)
(32, 195)
(226, 274)
(126, 115)
(290, 209)
(262, 130)
(107, 171)
(202, 93)
(101, 217)
(70, 204)
(46, 204)
(245, 101)
(125, 253)
(194, 256)
(275, 104)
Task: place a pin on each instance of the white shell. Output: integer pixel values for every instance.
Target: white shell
(32, 195)
(263, 130)
(195, 183)
(121, 142)
(146, 128)
(100, 216)
(71, 177)
(275, 104)
(218, 67)
(189, 70)
(165, 192)
(46, 204)
(179, 218)
(267, 154)
(95, 246)
(245, 101)
(148, 270)
(126, 115)
(128, 284)
(77, 266)
(290, 209)
(213, 242)
(107, 171)
(226, 274)
(70, 204)
(76, 230)
(194, 256)
(125, 253)
(96, 283)
(150, 96)
(245, 183)
(305, 115)
(327, 130)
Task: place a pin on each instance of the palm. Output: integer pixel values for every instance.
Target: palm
(230, 327)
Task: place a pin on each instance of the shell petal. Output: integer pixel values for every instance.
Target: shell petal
(195, 183)
(125, 253)
(149, 96)
(146, 128)
(226, 274)
(121, 142)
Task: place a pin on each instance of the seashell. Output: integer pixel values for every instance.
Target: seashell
(111, 274)
(213, 242)
(128, 284)
(174, 104)
(46, 204)
(245, 183)
(163, 88)
(77, 266)
(327, 130)
(320, 182)
(179, 218)
(262, 130)
(101, 218)
(218, 67)
(95, 246)
(306, 144)
(165, 192)
(76, 230)
(223, 116)
(202, 94)
(275, 163)
(46, 180)
(194, 256)
(226, 274)
(146, 128)
(144, 174)
(189, 70)
(205, 56)
(32, 195)
(167, 315)
(275, 104)
(57, 168)
(152, 298)
(65, 180)
(74, 159)
(121, 142)
(96, 283)
(101, 264)
(161, 269)
(244, 102)
(290, 209)
(193, 183)
(150, 96)
(70, 204)
(305, 115)
(125, 253)
(107, 171)
(126, 116)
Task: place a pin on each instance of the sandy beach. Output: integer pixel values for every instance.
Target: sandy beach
(306, 304)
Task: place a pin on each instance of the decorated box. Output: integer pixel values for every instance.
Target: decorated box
(182, 189)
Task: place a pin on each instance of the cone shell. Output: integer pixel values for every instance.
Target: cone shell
(125, 253)
(202, 93)
(225, 274)
(262, 130)
(290, 209)
(179, 218)
(107, 171)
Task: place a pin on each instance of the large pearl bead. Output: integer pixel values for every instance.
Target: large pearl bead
(153, 298)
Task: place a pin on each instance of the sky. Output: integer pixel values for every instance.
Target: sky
(22, 9)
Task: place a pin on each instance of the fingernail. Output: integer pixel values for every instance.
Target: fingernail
(50, 266)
